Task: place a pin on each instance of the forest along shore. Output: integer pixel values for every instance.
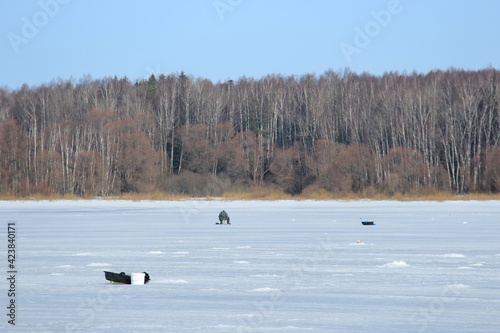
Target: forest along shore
(339, 134)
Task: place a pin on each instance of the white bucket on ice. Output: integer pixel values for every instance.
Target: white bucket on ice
(137, 278)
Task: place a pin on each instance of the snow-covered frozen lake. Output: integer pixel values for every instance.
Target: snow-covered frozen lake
(282, 266)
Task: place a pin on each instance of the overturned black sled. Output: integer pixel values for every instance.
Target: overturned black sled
(134, 278)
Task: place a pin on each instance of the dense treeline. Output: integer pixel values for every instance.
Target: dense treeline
(340, 131)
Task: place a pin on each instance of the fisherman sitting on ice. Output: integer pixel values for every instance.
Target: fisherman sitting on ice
(223, 217)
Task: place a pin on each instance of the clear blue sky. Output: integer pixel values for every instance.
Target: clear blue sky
(43, 40)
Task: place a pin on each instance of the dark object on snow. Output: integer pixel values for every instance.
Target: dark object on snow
(122, 277)
(223, 216)
(367, 223)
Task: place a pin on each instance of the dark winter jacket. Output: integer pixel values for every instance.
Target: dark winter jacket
(223, 216)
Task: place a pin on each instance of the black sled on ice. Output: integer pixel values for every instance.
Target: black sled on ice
(123, 278)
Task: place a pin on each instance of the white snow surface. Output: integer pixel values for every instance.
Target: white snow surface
(281, 266)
